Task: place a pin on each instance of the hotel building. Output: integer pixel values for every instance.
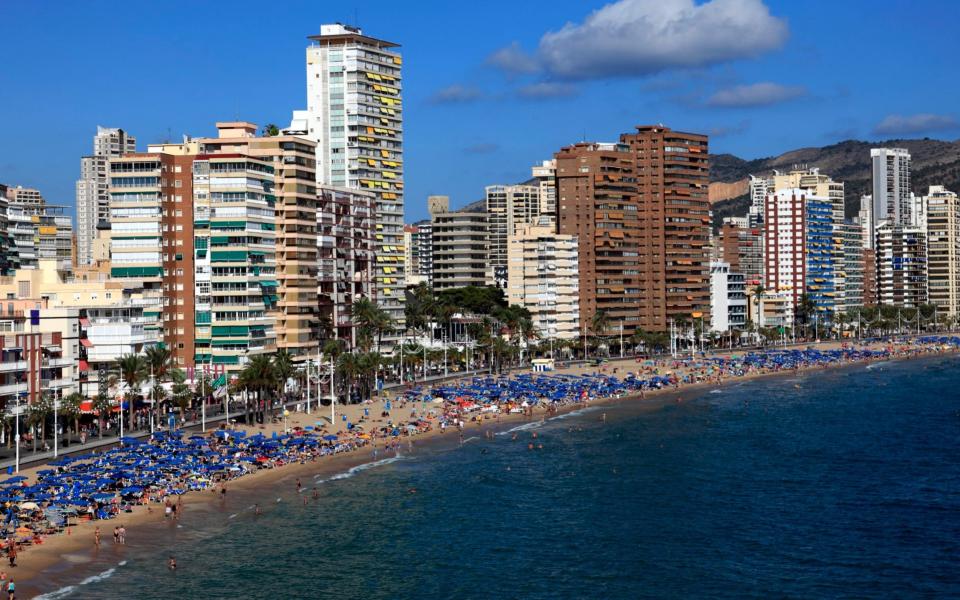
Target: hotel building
(943, 249)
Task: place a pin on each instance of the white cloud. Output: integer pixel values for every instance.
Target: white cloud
(642, 37)
(754, 94)
(546, 89)
(454, 94)
(911, 124)
(513, 60)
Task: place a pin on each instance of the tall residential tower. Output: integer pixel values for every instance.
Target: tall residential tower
(93, 187)
(354, 114)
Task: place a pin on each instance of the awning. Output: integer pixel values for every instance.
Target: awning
(86, 407)
(86, 343)
(52, 349)
(83, 366)
(84, 322)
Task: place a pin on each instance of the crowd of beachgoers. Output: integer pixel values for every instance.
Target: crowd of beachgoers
(156, 471)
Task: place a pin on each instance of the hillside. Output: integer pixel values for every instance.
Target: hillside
(935, 162)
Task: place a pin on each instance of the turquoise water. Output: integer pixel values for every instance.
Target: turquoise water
(844, 483)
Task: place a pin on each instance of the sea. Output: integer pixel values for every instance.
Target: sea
(842, 483)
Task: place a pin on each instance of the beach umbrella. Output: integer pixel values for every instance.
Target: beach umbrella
(15, 479)
(329, 438)
(29, 506)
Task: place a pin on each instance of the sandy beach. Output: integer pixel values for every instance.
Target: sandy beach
(74, 549)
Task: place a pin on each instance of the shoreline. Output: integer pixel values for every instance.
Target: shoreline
(72, 556)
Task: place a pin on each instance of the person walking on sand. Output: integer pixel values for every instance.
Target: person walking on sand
(12, 553)
(96, 537)
(123, 535)
(11, 589)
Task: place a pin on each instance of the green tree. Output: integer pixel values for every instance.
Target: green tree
(70, 410)
(270, 130)
(131, 370)
(180, 392)
(102, 405)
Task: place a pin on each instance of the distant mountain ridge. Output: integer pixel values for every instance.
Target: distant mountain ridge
(934, 162)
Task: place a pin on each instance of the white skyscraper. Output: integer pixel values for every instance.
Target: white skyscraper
(891, 186)
(354, 113)
(93, 199)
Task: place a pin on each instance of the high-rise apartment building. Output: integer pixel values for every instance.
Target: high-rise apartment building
(851, 295)
(422, 250)
(509, 208)
(92, 189)
(741, 247)
(728, 298)
(9, 260)
(347, 236)
(36, 230)
(354, 114)
(943, 249)
(866, 222)
(543, 278)
(870, 292)
(597, 204)
(151, 237)
(901, 257)
(411, 258)
(800, 258)
(672, 175)
(891, 186)
(760, 188)
(545, 178)
(460, 249)
(227, 228)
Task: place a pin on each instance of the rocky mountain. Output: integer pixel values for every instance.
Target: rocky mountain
(934, 162)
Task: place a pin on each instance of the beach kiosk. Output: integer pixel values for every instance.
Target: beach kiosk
(541, 365)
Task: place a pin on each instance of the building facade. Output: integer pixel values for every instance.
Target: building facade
(346, 225)
(543, 278)
(672, 175)
(943, 249)
(355, 115)
(460, 250)
(545, 178)
(509, 208)
(851, 296)
(92, 189)
(597, 204)
(800, 248)
(728, 298)
(901, 257)
(891, 186)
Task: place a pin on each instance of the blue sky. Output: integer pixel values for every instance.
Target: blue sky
(490, 87)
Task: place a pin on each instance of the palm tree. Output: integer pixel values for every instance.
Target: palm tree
(759, 292)
(70, 410)
(261, 377)
(283, 369)
(131, 370)
(102, 405)
(180, 391)
(599, 323)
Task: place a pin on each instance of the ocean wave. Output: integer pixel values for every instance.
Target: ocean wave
(360, 468)
(716, 391)
(576, 413)
(99, 577)
(61, 593)
(524, 427)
